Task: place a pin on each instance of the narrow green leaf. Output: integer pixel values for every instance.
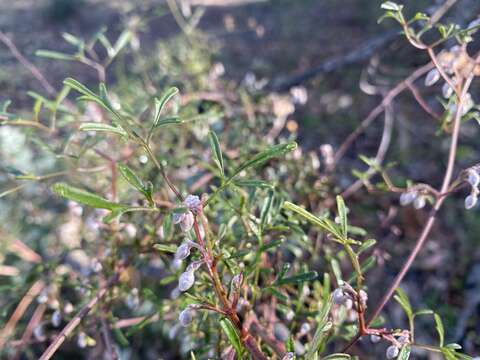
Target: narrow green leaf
(253, 183)
(367, 244)
(165, 248)
(160, 103)
(390, 5)
(120, 337)
(100, 127)
(342, 214)
(267, 206)
(216, 151)
(257, 160)
(169, 120)
(84, 197)
(122, 40)
(308, 216)
(402, 299)
(132, 178)
(271, 244)
(320, 337)
(300, 278)
(54, 55)
(232, 335)
(337, 356)
(405, 353)
(440, 328)
(72, 39)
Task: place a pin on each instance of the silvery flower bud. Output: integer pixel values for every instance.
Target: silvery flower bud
(419, 202)
(432, 77)
(186, 280)
(183, 251)
(187, 222)
(43, 297)
(408, 197)
(305, 328)
(82, 340)
(473, 177)
(392, 352)
(56, 318)
(447, 90)
(237, 281)
(39, 333)
(403, 339)
(375, 338)
(338, 296)
(471, 201)
(363, 297)
(186, 317)
(193, 203)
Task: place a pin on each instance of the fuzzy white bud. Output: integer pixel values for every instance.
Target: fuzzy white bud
(392, 352)
(419, 202)
(470, 201)
(186, 280)
(375, 338)
(338, 296)
(193, 203)
(56, 318)
(473, 177)
(186, 317)
(183, 251)
(432, 77)
(408, 197)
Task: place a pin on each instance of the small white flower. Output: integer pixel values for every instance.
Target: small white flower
(473, 177)
(408, 197)
(470, 201)
(186, 280)
(419, 202)
(392, 352)
(56, 318)
(375, 338)
(183, 251)
(186, 317)
(237, 280)
(131, 230)
(432, 77)
(193, 203)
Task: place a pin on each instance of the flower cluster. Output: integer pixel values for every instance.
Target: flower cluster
(473, 179)
(416, 195)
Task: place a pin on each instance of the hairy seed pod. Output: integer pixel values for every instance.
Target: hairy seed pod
(447, 90)
(187, 222)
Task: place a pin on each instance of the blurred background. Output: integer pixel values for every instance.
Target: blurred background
(329, 58)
